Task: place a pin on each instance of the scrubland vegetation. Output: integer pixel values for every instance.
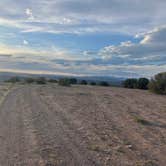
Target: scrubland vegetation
(157, 84)
(141, 83)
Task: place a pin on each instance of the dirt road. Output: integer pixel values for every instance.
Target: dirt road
(82, 126)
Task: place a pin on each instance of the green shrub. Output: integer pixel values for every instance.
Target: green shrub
(41, 80)
(29, 80)
(104, 83)
(83, 82)
(52, 81)
(73, 81)
(93, 83)
(64, 82)
(14, 80)
(158, 84)
(142, 83)
(130, 83)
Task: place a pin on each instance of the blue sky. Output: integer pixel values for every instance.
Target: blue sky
(91, 37)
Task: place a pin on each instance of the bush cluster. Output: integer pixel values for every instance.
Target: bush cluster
(93, 83)
(29, 80)
(103, 83)
(41, 80)
(52, 81)
(141, 83)
(73, 80)
(83, 82)
(14, 80)
(64, 82)
(158, 84)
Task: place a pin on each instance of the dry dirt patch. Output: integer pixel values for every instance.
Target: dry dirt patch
(117, 125)
(83, 126)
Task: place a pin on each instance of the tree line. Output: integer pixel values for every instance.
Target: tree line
(61, 81)
(156, 84)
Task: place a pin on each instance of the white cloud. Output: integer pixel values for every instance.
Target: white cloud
(25, 42)
(152, 44)
(29, 14)
(36, 53)
(55, 61)
(146, 39)
(76, 16)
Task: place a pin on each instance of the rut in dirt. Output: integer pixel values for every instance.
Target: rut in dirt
(31, 134)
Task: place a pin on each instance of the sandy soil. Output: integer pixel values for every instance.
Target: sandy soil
(82, 126)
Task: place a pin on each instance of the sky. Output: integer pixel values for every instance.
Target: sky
(120, 38)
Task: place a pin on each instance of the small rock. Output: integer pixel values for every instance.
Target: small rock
(129, 146)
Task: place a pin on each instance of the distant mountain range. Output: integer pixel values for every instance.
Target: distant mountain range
(112, 80)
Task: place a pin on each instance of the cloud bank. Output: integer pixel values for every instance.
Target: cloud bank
(33, 37)
(76, 16)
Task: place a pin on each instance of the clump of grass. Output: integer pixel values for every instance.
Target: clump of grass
(141, 121)
(150, 163)
(146, 163)
(121, 150)
(95, 147)
(126, 142)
